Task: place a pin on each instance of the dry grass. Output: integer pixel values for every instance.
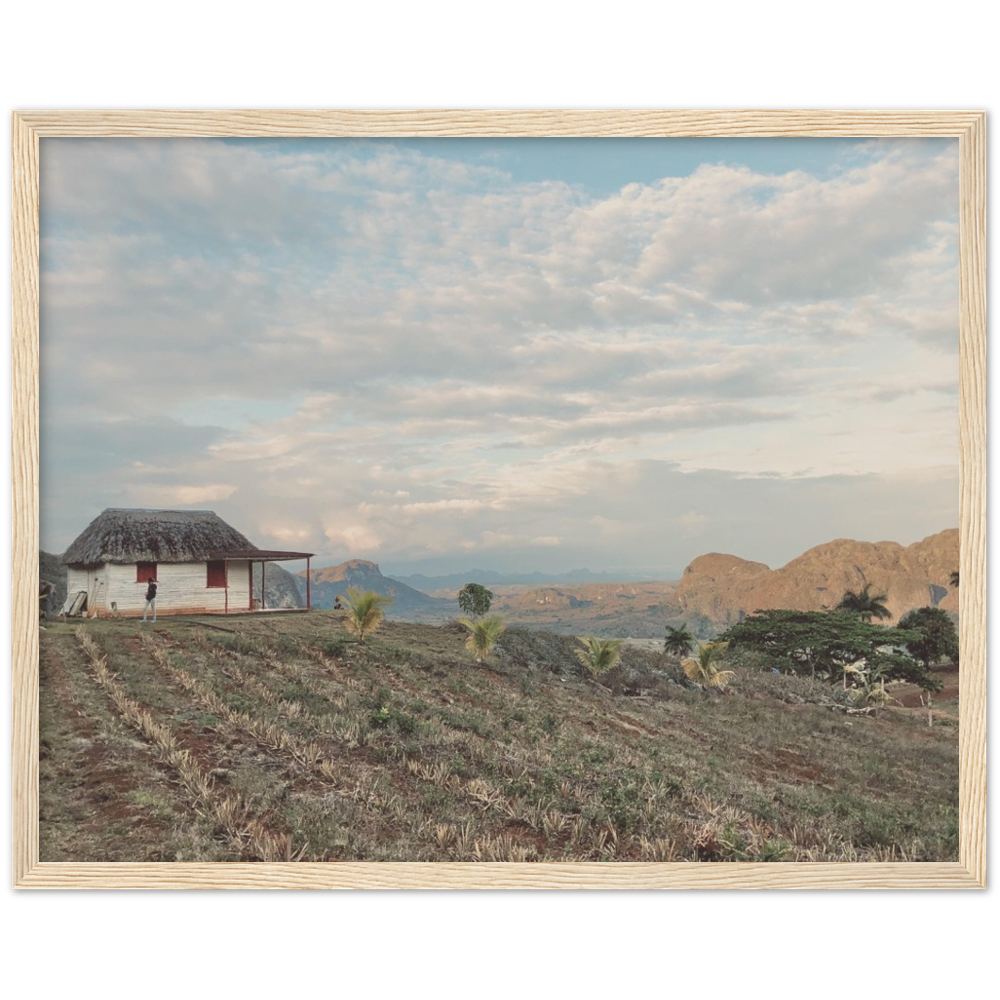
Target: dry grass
(270, 737)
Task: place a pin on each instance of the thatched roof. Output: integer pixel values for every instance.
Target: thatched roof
(121, 535)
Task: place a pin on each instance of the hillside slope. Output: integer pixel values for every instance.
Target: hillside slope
(300, 744)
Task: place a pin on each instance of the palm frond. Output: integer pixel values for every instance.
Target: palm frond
(702, 669)
(720, 678)
(692, 669)
(366, 610)
(483, 635)
(865, 603)
(599, 655)
(678, 640)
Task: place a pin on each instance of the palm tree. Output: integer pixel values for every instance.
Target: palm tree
(954, 578)
(678, 641)
(856, 670)
(702, 669)
(600, 655)
(365, 611)
(483, 635)
(865, 604)
(872, 694)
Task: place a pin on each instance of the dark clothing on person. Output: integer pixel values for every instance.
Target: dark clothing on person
(150, 600)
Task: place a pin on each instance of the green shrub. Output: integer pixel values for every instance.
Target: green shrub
(335, 646)
(393, 718)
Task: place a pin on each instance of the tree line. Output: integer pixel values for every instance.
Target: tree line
(838, 643)
(841, 644)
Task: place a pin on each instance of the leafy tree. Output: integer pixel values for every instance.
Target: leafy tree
(900, 667)
(954, 578)
(365, 611)
(703, 669)
(935, 636)
(483, 635)
(474, 599)
(884, 666)
(865, 604)
(679, 640)
(815, 640)
(600, 655)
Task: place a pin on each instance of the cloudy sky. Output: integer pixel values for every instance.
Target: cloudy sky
(511, 354)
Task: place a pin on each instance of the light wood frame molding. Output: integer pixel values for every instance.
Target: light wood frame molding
(28, 126)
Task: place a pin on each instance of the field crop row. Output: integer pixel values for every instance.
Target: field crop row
(292, 741)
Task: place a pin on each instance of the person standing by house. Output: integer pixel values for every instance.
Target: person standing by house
(150, 599)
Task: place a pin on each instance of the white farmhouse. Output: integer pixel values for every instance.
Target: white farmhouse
(200, 564)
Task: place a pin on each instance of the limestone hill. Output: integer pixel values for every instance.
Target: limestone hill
(725, 587)
(331, 581)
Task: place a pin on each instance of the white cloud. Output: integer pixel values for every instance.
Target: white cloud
(412, 355)
(693, 523)
(162, 495)
(352, 538)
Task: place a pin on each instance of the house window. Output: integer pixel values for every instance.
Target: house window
(143, 571)
(217, 573)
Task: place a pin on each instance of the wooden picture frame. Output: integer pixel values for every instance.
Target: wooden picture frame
(967, 126)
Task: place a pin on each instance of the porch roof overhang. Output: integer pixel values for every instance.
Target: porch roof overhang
(261, 555)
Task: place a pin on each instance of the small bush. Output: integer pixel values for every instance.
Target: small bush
(380, 698)
(764, 684)
(336, 646)
(392, 718)
(755, 661)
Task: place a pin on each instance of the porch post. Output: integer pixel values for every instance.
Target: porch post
(308, 593)
(263, 599)
(225, 570)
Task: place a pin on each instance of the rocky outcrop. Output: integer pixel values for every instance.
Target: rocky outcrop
(725, 588)
(280, 587)
(330, 582)
(354, 572)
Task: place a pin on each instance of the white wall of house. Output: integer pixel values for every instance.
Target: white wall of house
(181, 588)
(94, 581)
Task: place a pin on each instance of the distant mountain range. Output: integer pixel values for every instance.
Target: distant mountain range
(714, 591)
(487, 577)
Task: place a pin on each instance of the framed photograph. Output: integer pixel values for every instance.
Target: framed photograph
(319, 416)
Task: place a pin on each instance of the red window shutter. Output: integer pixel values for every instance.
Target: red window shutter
(217, 573)
(143, 571)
